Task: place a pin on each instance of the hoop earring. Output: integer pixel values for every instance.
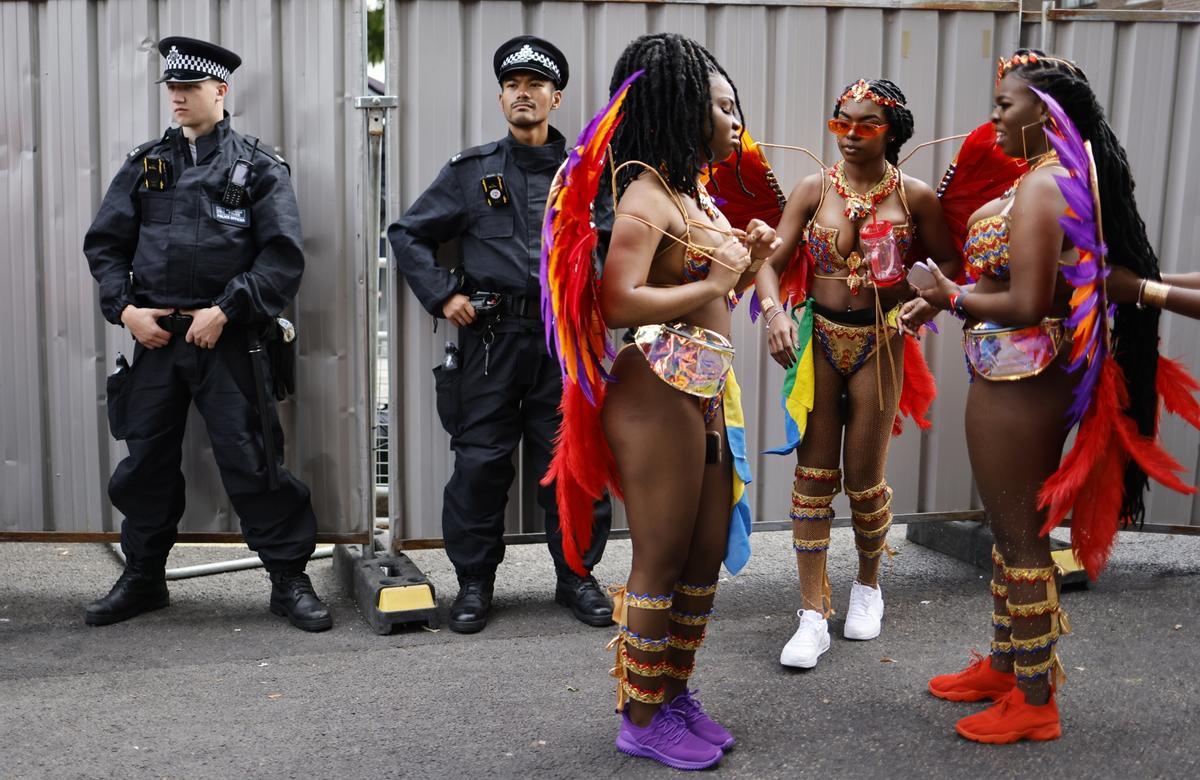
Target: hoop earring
(1024, 148)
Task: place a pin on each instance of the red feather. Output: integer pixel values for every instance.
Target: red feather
(1089, 482)
(582, 467)
(1177, 388)
(919, 389)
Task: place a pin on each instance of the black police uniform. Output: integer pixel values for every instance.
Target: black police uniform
(163, 238)
(507, 384)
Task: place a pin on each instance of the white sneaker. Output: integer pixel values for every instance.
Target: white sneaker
(810, 640)
(865, 613)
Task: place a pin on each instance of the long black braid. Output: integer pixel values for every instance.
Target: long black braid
(668, 118)
(1135, 331)
(899, 118)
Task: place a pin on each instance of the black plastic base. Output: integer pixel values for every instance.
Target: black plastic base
(390, 590)
(971, 542)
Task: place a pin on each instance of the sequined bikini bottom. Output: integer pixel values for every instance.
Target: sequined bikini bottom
(848, 339)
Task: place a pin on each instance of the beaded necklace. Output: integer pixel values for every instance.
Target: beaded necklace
(1049, 158)
(861, 205)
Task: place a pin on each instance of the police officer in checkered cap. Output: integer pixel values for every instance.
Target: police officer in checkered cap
(502, 386)
(197, 249)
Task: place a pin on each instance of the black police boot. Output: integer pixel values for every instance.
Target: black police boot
(293, 597)
(469, 612)
(587, 601)
(142, 587)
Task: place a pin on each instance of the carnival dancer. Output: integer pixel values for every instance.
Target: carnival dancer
(854, 225)
(668, 428)
(1043, 359)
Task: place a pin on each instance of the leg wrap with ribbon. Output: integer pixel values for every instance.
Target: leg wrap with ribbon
(1002, 649)
(688, 623)
(640, 650)
(1036, 624)
(812, 517)
(871, 517)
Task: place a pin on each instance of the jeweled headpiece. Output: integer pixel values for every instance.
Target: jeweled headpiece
(861, 90)
(1029, 58)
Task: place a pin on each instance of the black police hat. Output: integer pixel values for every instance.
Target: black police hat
(534, 54)
(190, 60)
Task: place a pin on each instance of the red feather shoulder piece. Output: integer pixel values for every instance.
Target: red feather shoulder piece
(979, 173)
(756, 195)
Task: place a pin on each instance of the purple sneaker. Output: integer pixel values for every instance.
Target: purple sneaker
(698, 722)
(668, 741)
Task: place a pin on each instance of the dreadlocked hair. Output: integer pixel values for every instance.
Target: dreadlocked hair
(899, 118)
(668, 111)
(1135, 332)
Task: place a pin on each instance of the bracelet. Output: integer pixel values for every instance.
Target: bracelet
(1156, 293)
(957, 307)
(1141, 290)
(768, 304)
(774, 313)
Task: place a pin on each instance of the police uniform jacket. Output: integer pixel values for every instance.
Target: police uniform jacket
(179, 247)
(501, 238)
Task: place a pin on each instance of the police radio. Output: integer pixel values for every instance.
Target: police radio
(235, 185)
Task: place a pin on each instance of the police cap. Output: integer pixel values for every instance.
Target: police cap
(533, 54)
(190, 60)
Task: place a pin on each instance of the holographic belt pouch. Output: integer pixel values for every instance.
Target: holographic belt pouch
(687, 357)
(1008, 354)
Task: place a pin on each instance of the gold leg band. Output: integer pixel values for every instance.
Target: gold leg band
(873, 492)
(810, 545)
(689, 618)
(686, 643)
(695, 590)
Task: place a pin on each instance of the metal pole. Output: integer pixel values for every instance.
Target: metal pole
(221, 567)
(376, 107)
(1047, 7)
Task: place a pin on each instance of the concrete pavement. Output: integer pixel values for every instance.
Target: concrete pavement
(217, 687)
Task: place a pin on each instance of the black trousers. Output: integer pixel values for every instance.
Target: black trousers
(149, 411)
(486, 416)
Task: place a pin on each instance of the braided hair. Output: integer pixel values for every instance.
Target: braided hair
(668, 111)
(899, 118)
(1135, 331)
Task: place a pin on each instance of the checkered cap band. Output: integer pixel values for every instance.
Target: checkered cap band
(179, 61)
(525, 55)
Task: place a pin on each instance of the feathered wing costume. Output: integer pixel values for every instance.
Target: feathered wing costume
(583, 466)
(1089, 483)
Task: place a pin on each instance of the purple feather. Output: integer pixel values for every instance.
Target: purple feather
(1083, 310)
(755, 306)
(1081, 234)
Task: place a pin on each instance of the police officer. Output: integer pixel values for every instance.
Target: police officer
(506, 385)
(197, 249)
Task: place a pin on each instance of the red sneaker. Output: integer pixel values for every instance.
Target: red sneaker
(977, 682)
(1010, 719)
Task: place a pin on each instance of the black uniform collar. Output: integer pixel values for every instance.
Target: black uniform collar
(207, 144)
(537, 158)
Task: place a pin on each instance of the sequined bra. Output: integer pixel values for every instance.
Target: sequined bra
(822, 242)
(986, 247)
(822, 246)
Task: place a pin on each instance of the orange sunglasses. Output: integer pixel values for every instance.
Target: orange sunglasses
(861, 129)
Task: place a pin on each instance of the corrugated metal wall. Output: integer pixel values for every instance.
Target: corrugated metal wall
(790, 60)
(77, 94)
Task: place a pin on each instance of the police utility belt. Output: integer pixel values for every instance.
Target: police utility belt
(277, 339)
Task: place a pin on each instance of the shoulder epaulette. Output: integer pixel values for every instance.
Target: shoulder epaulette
(141, 149)
(474, 151)
(265, 149)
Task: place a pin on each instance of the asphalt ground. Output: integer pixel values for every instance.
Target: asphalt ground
(216, 687)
